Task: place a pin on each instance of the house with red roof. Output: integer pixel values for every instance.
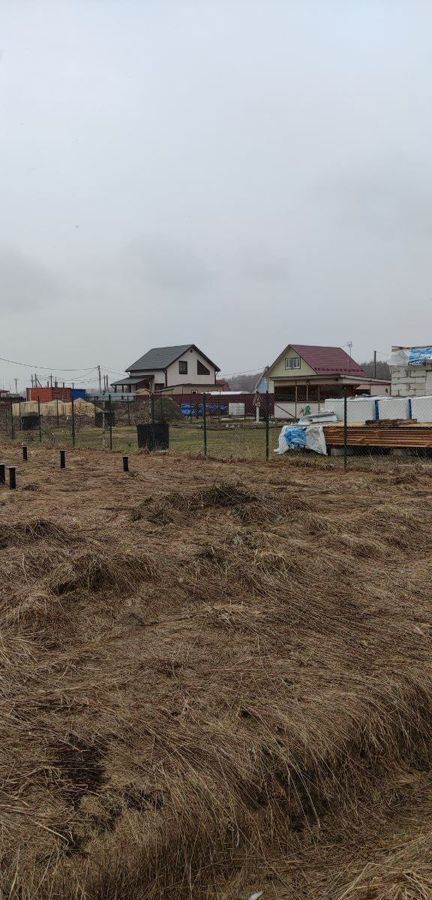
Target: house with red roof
(303, 376)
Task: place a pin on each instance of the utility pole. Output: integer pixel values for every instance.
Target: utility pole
(375, 364)
(100, 379)
(16, 385)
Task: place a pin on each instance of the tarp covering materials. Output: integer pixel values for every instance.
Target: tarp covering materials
(410, 356)
(298, 437)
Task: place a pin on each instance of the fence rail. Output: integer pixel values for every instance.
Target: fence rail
(203, 428)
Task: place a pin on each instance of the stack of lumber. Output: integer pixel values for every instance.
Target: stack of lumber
(380, 434)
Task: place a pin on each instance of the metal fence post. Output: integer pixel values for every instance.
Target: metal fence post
(128, 412)
(345, 429)
(73, 419)
(110, 421)
(40, 421)
(267, 424)
(57, 415)
(204, 399)
(12, 423)
(152, 407)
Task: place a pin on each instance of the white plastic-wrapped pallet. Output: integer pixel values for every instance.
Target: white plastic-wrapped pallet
(393, 408)
(421, 408)
(359, 409)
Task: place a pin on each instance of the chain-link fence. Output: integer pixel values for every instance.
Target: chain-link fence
(364, 427)
(206, 425)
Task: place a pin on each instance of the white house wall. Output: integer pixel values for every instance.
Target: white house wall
(289, 410)
(191, 357)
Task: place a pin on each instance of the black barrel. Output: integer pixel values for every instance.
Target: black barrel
(104, 418)
(154, 436)
(29, 421)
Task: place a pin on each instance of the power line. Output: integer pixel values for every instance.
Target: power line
(113, 371)
(14, 362)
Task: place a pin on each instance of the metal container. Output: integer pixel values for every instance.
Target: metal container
(104, 418)
(29, 421)
(153, 437)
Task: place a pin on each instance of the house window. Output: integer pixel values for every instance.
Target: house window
(292, 362)
(183, 367)
(201, 369)
(159, 386)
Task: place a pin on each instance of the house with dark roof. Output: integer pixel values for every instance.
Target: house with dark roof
(303, 376)
(184, 366)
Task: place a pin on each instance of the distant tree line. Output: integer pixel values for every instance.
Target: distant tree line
(382, 369)
(245, 383)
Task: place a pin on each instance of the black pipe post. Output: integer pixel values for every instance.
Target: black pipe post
(152, 405)
(2, 473)
(204, 398)
(125, 464)
(110, 417)
(267, 424)
(73, 419)
(12, 478)
(57, 415)
(25, 453)
(40, 422)
(62, 459)
(12, 423)
(345, 429)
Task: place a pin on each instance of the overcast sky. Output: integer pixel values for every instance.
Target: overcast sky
(239, 174)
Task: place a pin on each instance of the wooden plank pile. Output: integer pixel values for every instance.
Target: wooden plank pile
(381, 434)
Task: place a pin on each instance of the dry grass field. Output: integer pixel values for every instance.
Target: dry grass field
(216, 680)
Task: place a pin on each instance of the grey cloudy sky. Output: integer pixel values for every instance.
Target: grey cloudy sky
(236, 173)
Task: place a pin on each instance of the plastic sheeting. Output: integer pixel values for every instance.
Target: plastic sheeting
(410, 356)
(296, 437)
(291, 437)
(315, 439)
(421, 408)
(393, 408)
(359, 409)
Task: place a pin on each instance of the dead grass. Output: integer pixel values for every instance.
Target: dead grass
(215, 680)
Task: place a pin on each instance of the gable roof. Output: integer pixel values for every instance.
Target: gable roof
(326, 360)
(162, 357)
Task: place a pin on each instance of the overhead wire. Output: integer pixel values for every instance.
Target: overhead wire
(14, 362)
